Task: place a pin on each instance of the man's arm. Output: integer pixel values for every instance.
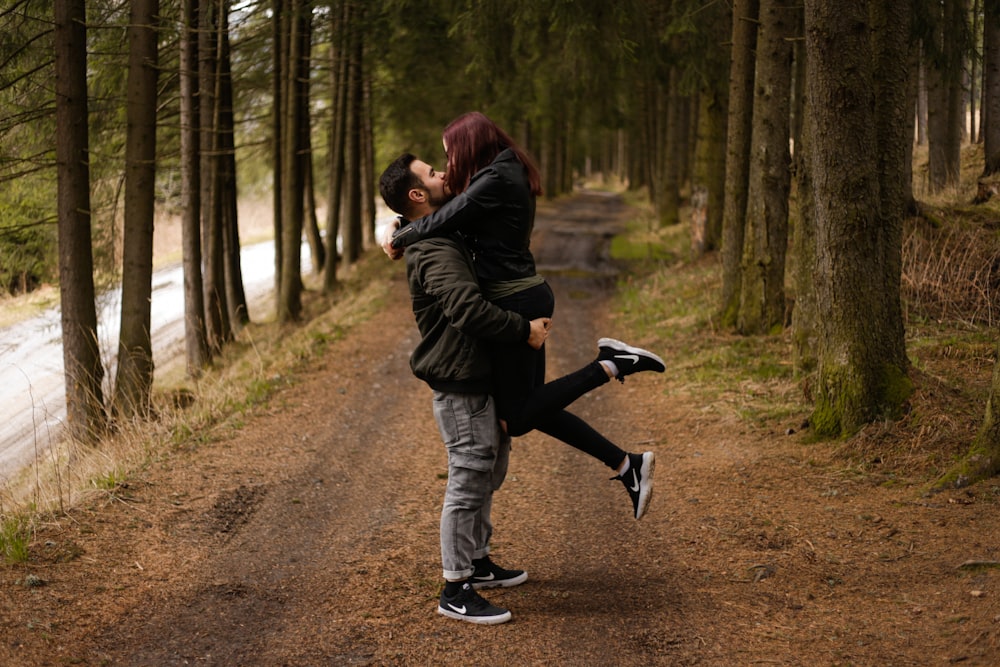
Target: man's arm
(444, 272)
(539, 332)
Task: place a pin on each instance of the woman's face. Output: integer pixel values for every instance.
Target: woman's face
(447, 166)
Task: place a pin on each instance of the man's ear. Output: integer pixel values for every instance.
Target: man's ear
(417, 196)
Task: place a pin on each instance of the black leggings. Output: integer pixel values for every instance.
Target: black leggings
(526, 402)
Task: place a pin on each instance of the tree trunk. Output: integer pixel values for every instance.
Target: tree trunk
(922, 114)
(982, 461)
(709, 179)
(236, 299)
(195, 341)
(351, 229)
(861, 357)
(278, 10)
(671, 153)
(217, 329)
(134, 378)
(738, 133)
(762, 298)
(943, 62)
(290, 297)
(340, 20)
(991, 86)
(310, 222)
(912, 120)
(368, 191)
(81, 353)
(891, 25)
(974, 78)
(805, 313)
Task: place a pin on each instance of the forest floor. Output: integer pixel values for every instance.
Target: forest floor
(308, 535)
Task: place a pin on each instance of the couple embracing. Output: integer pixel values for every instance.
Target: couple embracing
(484, 314)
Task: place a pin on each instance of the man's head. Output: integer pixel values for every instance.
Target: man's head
(412, 188)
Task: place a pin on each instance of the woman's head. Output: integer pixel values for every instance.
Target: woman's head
(472, 141)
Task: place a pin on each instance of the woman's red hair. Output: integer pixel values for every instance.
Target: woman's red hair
(473, 142)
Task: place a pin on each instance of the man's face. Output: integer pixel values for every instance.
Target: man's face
(433, 183)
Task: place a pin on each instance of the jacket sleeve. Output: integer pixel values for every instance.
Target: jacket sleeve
(444, 271)
(462, 213)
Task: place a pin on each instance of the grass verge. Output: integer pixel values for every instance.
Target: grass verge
(264, 358)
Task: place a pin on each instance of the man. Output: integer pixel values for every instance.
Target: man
(456, 323)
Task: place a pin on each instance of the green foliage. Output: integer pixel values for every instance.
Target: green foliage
(27, 239)
(15, 539)
(110, 481)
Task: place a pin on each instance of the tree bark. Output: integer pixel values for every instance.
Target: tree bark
(217, 328)
(278, 10)
(134, 377)
(368, 190)
(340, 20)
(805, 325)
(738, 133)
(709, 173)
(195, 341)
(290, 297)
(943, 63)
(975, 58)
(672, 156)
(982, 461)
(991, 86)
(351, 229)
(762, 297)
(310, 222)
(237, 309)
(86, 420)
(862, 362)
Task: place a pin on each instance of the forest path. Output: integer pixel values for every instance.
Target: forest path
(310, 536)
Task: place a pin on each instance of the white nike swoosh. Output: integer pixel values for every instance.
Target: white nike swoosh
(635, 481)
(488, 578)
(460, 610)
(633, 357)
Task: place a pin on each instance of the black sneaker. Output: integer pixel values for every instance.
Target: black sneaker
(628, 359)
(638, 481)
(468, 605)
(490, 575)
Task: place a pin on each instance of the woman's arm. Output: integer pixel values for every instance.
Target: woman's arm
(460, 214)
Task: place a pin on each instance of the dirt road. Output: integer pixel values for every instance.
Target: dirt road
(309, 537)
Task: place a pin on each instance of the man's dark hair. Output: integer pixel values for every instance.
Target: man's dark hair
(396, 182)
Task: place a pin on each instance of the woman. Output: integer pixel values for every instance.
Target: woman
(495, 184)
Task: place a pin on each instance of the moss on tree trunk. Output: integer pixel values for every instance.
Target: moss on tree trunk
(982, 461)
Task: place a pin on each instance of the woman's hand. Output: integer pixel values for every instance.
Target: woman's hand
(386, 240)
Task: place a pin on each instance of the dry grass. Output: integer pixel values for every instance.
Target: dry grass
(262, 359)
(951, 270)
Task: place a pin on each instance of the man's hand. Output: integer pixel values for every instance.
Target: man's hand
(386, 241)
(539, 332)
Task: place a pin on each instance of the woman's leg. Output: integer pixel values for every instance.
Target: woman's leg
(577, 433)
(526, 412)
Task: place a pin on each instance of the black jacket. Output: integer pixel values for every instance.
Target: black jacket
(496, 214)
(456, 323)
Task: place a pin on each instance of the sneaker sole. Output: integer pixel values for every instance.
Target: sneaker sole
(479, 620)
(618, 345)
(646, 485)
(500, 583)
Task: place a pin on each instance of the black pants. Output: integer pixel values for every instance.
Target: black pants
(526, 402)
